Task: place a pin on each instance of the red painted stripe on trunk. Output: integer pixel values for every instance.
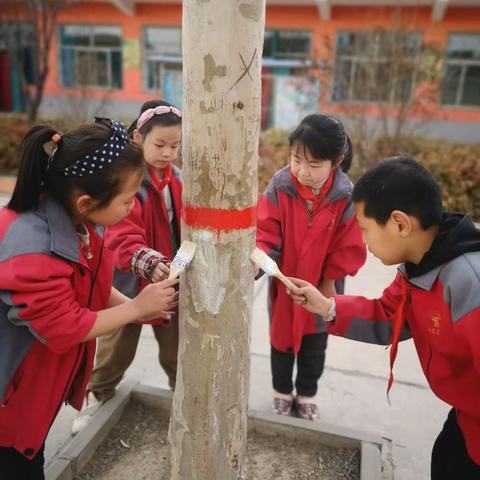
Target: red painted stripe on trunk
(218, 218)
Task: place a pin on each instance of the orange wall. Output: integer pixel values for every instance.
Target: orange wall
(281, 17)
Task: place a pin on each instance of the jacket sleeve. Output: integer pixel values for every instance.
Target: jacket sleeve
(126, 237)
(370, 321)
(269, 229)
(347, 252)
(461, 291)
(38, 292)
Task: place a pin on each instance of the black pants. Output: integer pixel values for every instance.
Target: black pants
(450, 460)
(310, 363)
(14, 466)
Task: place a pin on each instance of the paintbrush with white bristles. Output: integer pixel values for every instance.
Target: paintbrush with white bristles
(268, 265)
(182, 259)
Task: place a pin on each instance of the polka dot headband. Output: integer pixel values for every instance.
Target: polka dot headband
(103, 156)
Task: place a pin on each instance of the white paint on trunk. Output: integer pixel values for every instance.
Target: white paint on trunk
(212, 262)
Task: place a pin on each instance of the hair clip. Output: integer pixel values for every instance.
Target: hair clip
(56, 137)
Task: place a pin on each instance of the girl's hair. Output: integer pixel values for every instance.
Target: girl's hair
(166, 119)
(325, 138)
(40, 173)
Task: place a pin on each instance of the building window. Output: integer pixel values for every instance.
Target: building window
(18, 63)
(91, 55)
(287, 44)
(162, 51)
(375, 66)
(20, 41)
(461, 84)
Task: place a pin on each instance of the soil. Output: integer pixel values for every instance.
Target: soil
(137, 449)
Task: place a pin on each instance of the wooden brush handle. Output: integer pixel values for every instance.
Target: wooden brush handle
(174, 272)
(288, 283)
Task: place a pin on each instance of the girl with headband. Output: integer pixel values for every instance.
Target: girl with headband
(143, 243)
(56, 292)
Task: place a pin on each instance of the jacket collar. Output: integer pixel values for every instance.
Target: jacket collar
(425, 281)
(63, 236)
(341, 187)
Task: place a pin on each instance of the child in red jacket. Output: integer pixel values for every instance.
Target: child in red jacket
(434, 299)
(143, 243)
(306, 223)
(56, 291)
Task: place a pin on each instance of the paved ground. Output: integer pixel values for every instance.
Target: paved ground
(352, 389)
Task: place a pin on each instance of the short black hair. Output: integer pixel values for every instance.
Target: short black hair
(400, 183)
(325, 138)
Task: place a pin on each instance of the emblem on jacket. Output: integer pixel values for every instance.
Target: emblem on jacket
(435, 323)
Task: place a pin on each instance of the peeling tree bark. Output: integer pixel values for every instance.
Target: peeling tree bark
(222, 53)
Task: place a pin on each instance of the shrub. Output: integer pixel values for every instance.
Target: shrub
(456, 166)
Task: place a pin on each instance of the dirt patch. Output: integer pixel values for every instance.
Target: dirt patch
(137, 449)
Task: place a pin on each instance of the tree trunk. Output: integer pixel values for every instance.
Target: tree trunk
(222, 53)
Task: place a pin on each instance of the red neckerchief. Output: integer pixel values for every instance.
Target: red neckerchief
(161, 184)
(398, 323)
(307, 193)
(167, 176)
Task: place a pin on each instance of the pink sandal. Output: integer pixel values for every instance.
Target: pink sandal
(306, 410)
(282, 406)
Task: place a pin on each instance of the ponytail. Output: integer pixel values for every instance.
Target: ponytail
(32, 170)
(348, 156)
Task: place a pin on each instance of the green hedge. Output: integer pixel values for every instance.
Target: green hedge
(457, 167)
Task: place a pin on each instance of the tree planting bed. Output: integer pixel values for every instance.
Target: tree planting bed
(127, 439)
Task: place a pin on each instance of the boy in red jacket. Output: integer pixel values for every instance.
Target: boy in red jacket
(434, 299)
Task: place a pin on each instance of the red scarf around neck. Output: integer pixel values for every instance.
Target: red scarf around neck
(167, 176)
(397, 327)
(307, 193)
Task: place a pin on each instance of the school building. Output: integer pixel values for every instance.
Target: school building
(109, 56)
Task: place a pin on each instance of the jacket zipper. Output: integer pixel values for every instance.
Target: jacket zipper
(93, 278)
(311, 213)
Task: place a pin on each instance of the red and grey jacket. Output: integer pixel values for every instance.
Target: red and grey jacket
(146, 227)
(49, 294)
(323, 243)
(442, 314)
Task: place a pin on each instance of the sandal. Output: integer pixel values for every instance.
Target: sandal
(306, 410)
(282, 406)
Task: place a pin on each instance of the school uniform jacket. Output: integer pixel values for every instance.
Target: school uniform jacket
(147, 226)
(49, 294)
(312, 245)
(442, 314)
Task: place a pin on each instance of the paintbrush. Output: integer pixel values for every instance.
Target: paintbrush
(182, 259)
(260, 258)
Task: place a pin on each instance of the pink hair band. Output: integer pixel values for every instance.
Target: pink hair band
(148, 114)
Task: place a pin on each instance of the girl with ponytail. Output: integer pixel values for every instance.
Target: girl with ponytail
(56, 292)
